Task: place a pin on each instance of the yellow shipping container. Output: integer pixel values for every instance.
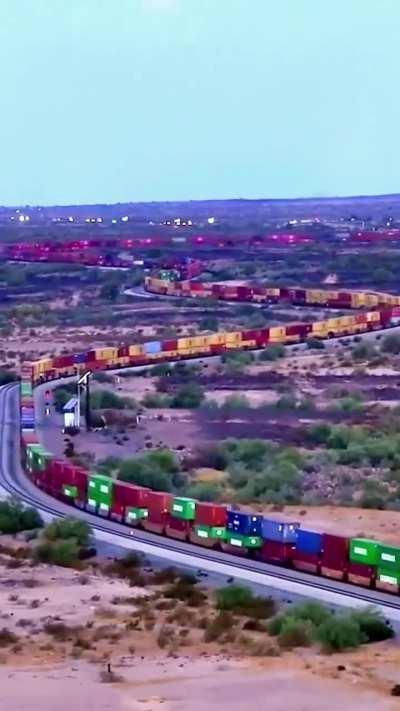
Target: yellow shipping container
(273, 292)
(216, 339)
(320, 327)
(136, 350)
(315, 296)
(373, 316)
(233, 337)
(198, 341)
(106, 353)
(277, 333)
(183, 344)
(44, 365)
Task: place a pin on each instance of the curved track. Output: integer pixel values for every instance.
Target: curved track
(382, 308)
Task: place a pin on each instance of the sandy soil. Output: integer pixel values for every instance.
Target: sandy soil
(149, 684)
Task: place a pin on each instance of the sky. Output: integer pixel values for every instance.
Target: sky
(140, 100)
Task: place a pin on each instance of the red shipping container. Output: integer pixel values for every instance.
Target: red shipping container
(245, 293)
(333, 571)
(117, 511)
(335, 549)
(198, 286)
(234, 550)
(29, 438)
(360, 574)
(177, 528)
(131, 495)
(123, 351)
(63, 361)
(158, 502)
(210, 514)
(306, 561)
(171, 345)
(275, 552)
(252, 335)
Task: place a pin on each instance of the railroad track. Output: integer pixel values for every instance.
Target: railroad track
(16, 484)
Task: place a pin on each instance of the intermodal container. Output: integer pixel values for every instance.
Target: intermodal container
(236, 540)
(199, 538)
(388, 557)
(123, 351)
(210, 514)
(388, 580)
(81, 357)
(170, 345)
(152, 347)
(276, 552)
(158, 503)
(133, 516)
(130, 495)
(246, 524)
(360, 574)
(213, 532)
(177, 528)
(308, 541)
(335, 548)
(64, 361)
(183, 508)
(279, 530)
(155, 522)
(308, 562)
(364, 550)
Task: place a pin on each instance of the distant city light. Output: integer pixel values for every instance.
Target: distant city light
(189, 222)
(70, 219)
(177, 221)
(125, 218)
(211, 220)
(99, 219)
(87, 219)
(114, 221)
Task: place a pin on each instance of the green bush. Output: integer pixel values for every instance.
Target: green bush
(222, 623)
(15, 517)
(107, 400)
(59, 552)
(68, 528)
(339, 632)
(272, 352)
(190, 396)
(295, 633)
(154, 470)
(156, 400)
(391, 344)
(240, 599)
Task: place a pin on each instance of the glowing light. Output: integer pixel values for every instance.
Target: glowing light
(211, 220)
(125, 218)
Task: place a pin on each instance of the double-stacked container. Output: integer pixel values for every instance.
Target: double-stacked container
(209, 524)
(100, 492)
(363, 561)
(388, 572)
(74, 484)
(158, 504)
(130, 501)
(334, 556)
(279, 538)
(307, 553)
(243, 530)
(181, 516)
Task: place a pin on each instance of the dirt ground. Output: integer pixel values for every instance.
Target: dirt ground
(42, 670)
(182, 683)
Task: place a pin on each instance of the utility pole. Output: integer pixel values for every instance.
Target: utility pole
(83, 383)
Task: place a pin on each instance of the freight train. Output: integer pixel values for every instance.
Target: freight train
(271, 539)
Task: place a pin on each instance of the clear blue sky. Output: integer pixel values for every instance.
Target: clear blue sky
(118, 100)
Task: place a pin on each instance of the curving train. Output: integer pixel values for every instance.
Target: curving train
(271, 539)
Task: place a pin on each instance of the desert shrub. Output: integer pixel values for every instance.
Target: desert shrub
(315, 344)
(156, 400)
(295, 633)
(68, 528)
(15, 517)
(338, 633)
(189, 395)
(241, 600)
(222, 623)
(372, 624)
(391, 344)
(7, 637)
(272, 352)
(61, 552)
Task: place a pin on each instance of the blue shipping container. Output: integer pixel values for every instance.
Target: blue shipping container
(152, 347)
(27, 411)
(280, 531)
(309, 541)
(244, 523)
(81, 357)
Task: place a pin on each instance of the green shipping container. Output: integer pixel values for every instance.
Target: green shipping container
(215, 532)
(363, 550)
(244, 541)
(70, 491)
(389, 557)
(184, 508)
(100, 487)
(40, 460)
(391, 577)
(135, 514)
(26, 389)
